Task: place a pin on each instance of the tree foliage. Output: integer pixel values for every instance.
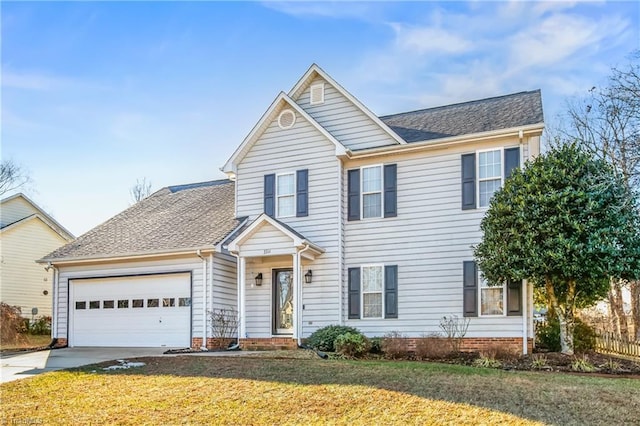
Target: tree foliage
(568, 223)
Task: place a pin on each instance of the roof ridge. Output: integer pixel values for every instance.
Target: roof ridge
(473, 101)
(194, 185)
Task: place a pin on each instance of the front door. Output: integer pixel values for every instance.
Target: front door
(283, 301)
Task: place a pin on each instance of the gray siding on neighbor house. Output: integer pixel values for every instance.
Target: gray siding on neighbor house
(280, 151)
(187, 264)
(428, 240)
(345, 121)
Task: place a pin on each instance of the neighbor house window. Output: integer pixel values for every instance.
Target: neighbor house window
(492, 298)
(489, 175)
(371, 192)
(372, 280)
(286, 195)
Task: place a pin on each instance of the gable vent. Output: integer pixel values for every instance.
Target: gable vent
(286, 119)
(317, 94)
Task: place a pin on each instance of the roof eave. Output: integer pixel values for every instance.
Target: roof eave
(529, 130)
(126, 256)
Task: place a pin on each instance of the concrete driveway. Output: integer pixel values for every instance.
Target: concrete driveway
(20, 366)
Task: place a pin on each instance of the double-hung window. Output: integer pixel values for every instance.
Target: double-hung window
(371, 192)
(492, 298)
(286, 195)
(372, 289)
(484, 172)
(489, 175)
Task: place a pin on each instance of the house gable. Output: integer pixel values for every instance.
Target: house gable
(18, 207)
(282, 102)
(344, 116)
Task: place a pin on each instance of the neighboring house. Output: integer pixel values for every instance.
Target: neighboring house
(140, 278)
(347, 218)
(26, 234)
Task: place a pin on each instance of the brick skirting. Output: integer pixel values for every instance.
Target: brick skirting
(474, 344)
(268, 343)
(212, 343)
(469, 344)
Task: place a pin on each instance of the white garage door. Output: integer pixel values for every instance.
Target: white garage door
(142, 311)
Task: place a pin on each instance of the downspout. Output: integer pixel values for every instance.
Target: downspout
(525, 305)
(239, 275)
(299, 301)
(204, 300)
(340, 241)
(211, 301)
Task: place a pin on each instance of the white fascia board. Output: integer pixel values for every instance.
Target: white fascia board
(125, 256)
(529, 130)
(315, 69)
(44, 216)
(230, 167)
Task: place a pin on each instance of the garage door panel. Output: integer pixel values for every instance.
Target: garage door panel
(103, 312)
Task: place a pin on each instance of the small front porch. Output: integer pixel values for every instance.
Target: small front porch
(274, 262)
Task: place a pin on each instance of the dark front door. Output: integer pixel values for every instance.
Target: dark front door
(283, 301)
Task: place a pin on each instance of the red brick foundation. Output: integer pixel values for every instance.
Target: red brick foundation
(474, 344)
(212, 343)
(268, 343)
(469, 344)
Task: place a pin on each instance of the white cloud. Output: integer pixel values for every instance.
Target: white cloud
(325, 9)
(423, 40)
(32, 81)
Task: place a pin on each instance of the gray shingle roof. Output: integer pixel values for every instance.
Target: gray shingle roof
(173, 218)
(502, 112)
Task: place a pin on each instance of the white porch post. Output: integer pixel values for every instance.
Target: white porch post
(296, 291)
(241, 296)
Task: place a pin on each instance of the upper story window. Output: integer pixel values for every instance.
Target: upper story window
(372, 192)
(484, 172)
(286, 194)
(489, 175)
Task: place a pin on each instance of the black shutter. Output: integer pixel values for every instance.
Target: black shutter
(511, 160)
(269, 194)
(514, 298)
(470, 288)
(390, 192)
(468, 181)
(353, 184)
(354, 293)
(302, 193)
(391, 291)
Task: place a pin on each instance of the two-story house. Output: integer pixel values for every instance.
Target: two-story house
(343, 217)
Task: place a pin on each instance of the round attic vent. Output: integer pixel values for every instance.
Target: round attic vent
(286, 119)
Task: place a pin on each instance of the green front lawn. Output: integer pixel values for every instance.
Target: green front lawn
(212, 390)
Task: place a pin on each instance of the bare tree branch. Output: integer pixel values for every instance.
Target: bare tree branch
(12, 176)
(141, 190)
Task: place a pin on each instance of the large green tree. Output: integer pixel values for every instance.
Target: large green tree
(567, 222)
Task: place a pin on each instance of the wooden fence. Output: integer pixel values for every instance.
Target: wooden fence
(612, 343)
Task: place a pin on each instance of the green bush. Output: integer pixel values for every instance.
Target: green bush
(548, 336)
(352, 345)
(376, 345)
(323, 338)
(40, 326)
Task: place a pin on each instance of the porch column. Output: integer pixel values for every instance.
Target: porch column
(241, 296)
(296, 290)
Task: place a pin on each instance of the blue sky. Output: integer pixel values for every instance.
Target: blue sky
(96, 95)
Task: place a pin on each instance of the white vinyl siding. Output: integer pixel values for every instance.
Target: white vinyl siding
(346, 122)
(428, 241)
(23, 282)
(281, 151)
